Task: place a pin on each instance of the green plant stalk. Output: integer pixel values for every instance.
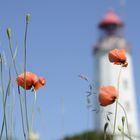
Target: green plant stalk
(115, 119)
(33, 111)
(2, 128)
(116, 106)
(126, 118)
(26, 111)
(13, 59)
(11, 119)
(21, 113)
(127, 136)
(122, 131)
(4, 104)
(8, 89)
(22, 118)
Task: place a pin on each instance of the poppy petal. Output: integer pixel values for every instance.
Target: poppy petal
(107, 95)
(117, 56)
(30, 80)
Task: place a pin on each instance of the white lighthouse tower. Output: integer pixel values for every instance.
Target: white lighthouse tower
(106, 73)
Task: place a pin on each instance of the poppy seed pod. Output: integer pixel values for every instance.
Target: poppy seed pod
(107, 95)
(118, 57)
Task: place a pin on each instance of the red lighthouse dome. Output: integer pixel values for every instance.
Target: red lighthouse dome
(110, 19)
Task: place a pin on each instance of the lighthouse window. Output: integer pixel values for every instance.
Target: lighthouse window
(125, 83)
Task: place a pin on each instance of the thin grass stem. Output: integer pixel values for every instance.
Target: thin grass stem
(33, 111)
(21, 113)
(4, 103)
(123, 132)
(126, 118)
(2, 128)
(12, 54)
(8, 87)
(127, 136)
(116, 106)
(21, 110)
(26, 111)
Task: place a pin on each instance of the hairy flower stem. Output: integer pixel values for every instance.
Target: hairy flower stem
(127, 136)
(126, 118)
(26, 111)
(33, 110)
(116, 106)
(12, 54)
(2, 128)
(123, 132)
(4, 104)
(20, 99)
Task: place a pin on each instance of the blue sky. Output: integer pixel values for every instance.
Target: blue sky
(60, 39)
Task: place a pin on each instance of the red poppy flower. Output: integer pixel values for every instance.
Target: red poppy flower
(107, 95)
(118, 57)
(39, 83)
(31, 81)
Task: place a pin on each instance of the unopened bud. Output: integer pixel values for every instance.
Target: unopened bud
(9, 33)
(123, 120)
(27, 18)
(120, 128)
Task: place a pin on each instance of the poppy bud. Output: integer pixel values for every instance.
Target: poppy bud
(107, 95)
(9, 32)
(27, 18)
(120, 128)
(123, 120)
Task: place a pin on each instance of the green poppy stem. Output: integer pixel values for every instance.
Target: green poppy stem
(21, 110)
(116, 106)
(126, 118)
(33, 111)
(26, 111)
(2, 128)
(4, 103)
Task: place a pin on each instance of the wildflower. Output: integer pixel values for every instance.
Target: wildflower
(31, 81)
(118, 57)
(107, 95)
(39, 83)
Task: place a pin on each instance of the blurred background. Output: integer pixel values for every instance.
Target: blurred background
(60, 40)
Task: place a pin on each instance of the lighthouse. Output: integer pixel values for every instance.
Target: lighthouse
(111, 36)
